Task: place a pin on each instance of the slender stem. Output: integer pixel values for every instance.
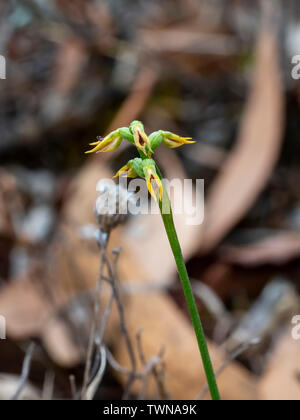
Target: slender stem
(92, 336)
(189, 296)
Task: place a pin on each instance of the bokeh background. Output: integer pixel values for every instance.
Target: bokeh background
(217, 71)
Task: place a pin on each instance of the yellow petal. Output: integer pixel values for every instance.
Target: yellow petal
(120, 172)
(176, 141)
(127, 170)
(108, 144)
(153, 177)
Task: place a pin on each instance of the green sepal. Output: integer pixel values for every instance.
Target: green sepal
(126, 134)
(156, 139)
(136, 124)
(148, 163)
(137, 164)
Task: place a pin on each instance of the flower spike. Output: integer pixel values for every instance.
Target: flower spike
(147, 169)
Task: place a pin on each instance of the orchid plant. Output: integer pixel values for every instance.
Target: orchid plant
(145, 167)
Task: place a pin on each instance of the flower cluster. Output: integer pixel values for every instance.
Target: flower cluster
(144, 166)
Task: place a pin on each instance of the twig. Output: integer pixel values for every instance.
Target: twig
(148, 370)
(108, 308)
(140, 347)
(73, 387)
(48, 386)
(115, 365)
(94, 385)
(105, 317)
(103, 355)
(124, 331)
(25, 371)
(92, 336)
(159, 375)
(163, 393)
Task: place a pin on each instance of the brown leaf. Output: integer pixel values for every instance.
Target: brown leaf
(189, 40)
(279, 249)
(23, 306)
(164, 325)
(249, 166)
(281, 378)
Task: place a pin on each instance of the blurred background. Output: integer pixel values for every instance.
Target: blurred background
(220, 71)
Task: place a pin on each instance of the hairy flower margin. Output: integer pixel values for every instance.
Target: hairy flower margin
(144, 166)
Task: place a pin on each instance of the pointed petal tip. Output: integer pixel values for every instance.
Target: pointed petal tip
(121, 173)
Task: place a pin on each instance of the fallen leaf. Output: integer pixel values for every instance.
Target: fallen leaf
(247, 170)
(165, 325)
(281, 378)
(279, 249)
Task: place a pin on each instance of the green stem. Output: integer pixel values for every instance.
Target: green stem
(189, 296)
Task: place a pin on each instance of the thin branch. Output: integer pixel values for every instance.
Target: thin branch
(48, 386)
(148, 370)
(73, 387)
(25, 371)
(94, 385)
(140, 346)
(108, 308)
(158, 377)
(105, 317)
(115, 365)
(92, 335)
(124, 331)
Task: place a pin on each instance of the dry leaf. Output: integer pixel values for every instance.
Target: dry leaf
(279, 249)
(25, 309)
(189, 40)
(164, 325)
(250, 164)
(281, 380)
